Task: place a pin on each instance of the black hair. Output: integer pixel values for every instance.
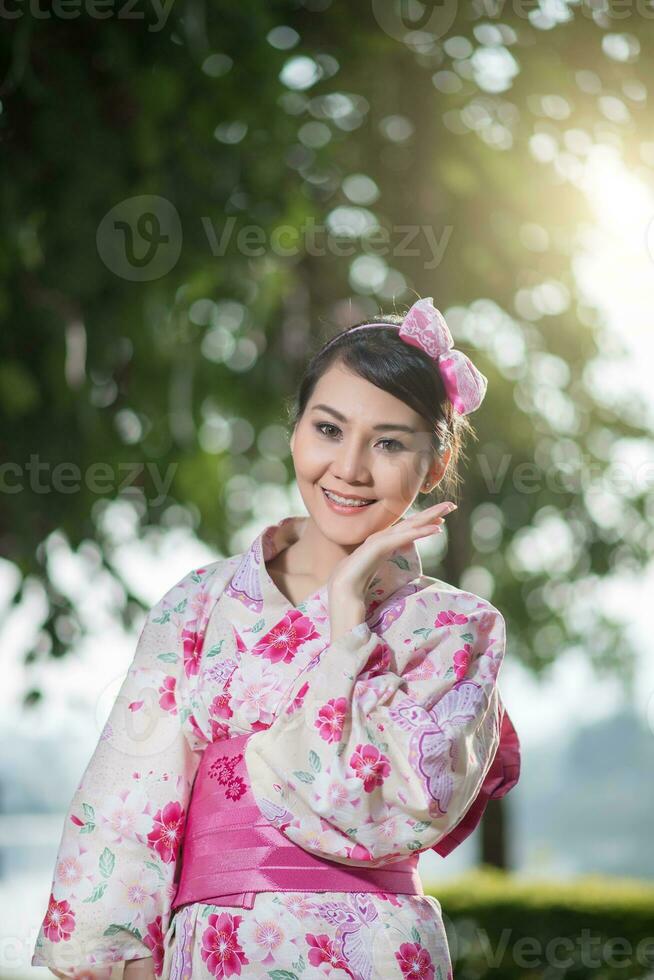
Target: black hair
(380, 356)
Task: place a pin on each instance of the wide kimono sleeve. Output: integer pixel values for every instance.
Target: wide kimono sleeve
(113, 881)
(384, 741)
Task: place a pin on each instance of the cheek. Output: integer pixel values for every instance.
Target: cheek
(397, 476)
(308, 455)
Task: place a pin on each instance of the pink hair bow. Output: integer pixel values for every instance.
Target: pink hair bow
(424, 326)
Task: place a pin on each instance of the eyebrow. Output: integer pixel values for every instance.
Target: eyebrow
(384, 427)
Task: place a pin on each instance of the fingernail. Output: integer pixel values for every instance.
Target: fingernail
(449, 508)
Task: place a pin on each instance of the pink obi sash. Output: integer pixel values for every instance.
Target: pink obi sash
(230, 851)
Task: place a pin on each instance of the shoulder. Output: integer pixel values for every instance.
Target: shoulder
(198, 583)
(449, 604)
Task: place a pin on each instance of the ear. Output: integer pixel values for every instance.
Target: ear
(292, 440)
(437, 469)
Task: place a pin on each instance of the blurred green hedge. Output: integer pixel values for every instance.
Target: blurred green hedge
(502, 926)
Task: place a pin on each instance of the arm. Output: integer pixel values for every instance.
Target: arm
(113, 882)
(380, 749)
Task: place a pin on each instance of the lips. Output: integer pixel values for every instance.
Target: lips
(368, 500)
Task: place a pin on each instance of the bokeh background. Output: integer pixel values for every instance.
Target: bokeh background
(195, 194)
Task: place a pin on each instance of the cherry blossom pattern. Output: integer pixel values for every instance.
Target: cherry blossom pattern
(166, 835)
(370, 765)
(331, 718)
(220, 948)
(222, 770)
(322, 949)
(168, 700)
(282, 642)
(415, 962)
(154, 940)
(59, 921)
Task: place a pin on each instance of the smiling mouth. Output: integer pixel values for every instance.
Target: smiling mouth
(358, 502)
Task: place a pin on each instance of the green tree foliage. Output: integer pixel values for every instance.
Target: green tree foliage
(451, 158)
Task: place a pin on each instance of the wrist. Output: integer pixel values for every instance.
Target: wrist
(344, 615)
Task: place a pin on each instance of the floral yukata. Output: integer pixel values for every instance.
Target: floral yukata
(362, 751)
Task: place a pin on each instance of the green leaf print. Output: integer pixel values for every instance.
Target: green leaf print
(258, 626)
(401, 562)
(181, 606)
(155, 867)
(89, 811)
(424, 631)
(163, 619)
(314, 761)
(304, 777)
(115, 928)
(215, 650)
(468, 637)
(282, 975)
(97, 892)
(168, 658)
(88, 828)
(195, 577)
(421, 825)
(414, 845)
(107, 862)
(300, 965)
(184, 713)
(415, 935)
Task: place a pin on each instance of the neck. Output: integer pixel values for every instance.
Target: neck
(314, 554)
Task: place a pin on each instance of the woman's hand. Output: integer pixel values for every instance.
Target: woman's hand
(348, 582)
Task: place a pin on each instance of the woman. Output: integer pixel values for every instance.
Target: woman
(300, 721)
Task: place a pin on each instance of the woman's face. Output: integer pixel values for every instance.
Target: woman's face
(352, 440)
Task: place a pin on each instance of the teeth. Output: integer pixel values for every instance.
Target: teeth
(345, 501)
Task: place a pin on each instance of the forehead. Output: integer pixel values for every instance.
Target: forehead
(361, 400)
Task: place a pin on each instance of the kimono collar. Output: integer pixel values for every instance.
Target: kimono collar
(253, 587)
(395, 572)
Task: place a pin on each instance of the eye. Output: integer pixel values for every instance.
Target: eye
(394, 443)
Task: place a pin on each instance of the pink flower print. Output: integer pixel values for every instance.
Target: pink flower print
(389, 897)
(370, 765)
(222, 768)
(379, 660)
(462, 660)
(167, 691)
(135, 705)
(196, 728)
(323, 950)
(235, 789)
(297, 904)
(154, 940)
(124, 816)
(447, 617)
(281, 643)
(74, 869)
(219, 707)
(193, 642)
(256, 690)
(415, 962)
(59, 921)
(240, 645)
(166, 835)
(219, 731)
(298, 699)
(331, 719)
(220, 949)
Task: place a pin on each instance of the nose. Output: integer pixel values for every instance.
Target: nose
(351, 463)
